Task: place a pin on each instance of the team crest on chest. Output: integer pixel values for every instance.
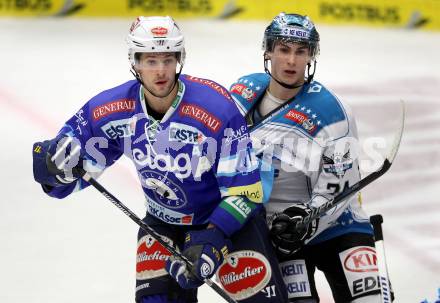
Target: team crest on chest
(164, 191)
(338, 164)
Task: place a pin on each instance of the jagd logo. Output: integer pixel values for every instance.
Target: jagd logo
(180, 165)
(244, 274)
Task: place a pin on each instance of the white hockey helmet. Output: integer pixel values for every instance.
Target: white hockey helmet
(155, 35)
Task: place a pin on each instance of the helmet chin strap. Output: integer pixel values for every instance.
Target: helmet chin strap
(176, 77)
(292, 86)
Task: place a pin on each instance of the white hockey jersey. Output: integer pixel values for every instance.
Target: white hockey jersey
(311, 144)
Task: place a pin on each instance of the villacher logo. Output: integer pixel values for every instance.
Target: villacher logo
(151, 257)
(244, 274)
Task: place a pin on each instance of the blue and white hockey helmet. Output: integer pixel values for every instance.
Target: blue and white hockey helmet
(155, 35)
(292, 28)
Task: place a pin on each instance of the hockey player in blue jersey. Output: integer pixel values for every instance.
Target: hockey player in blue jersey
(310, 138)
(196, 165)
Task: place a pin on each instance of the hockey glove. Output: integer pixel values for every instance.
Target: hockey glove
(56, 162)
(286, 238)
(206, 250)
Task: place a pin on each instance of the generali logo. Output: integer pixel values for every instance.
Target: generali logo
(244, 274)
(362, 259)
(118, 106)
(159, 31)
(201, 115)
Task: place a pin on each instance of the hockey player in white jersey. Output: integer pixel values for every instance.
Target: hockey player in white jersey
(310, 139)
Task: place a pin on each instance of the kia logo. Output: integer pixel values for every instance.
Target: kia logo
(362, 259)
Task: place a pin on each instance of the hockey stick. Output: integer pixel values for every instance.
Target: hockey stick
(350, 191)
(87, 177)
(60, 162)
(384, 281)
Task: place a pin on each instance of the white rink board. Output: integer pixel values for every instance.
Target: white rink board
(82, 249)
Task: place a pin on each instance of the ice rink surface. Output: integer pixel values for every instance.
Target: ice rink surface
(82, 249)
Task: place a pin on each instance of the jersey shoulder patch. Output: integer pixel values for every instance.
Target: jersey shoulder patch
(206, 83)
(118, 100)
(208, 102)
(248, 89)
(328, 110)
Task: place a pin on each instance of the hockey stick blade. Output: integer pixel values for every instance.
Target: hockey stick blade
(349, 191)
(87, 177)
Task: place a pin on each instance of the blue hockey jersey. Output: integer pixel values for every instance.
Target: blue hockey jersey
(312, 144)
(192, 164)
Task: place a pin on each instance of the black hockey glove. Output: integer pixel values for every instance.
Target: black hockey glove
(286, 238)
(56, 162)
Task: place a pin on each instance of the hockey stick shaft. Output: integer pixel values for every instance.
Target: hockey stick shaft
(350, 191)
(149, 230)
(384, 282)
